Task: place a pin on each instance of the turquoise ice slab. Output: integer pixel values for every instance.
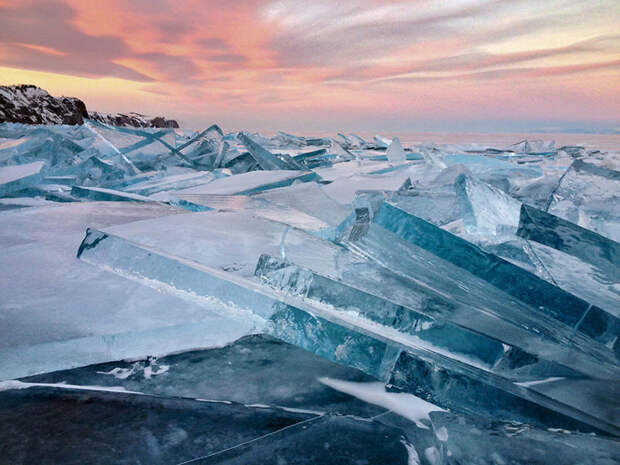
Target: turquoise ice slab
(560, 234)
(146, 147)
(171, 182)
(454, 385)
(588, 195)
(443, 336)
(513, 280)
(420, 280)
(307, 155)
(442, 380)
(260, 207)
(494, 226)
(266, 159)
(250, 183)
(341, 337)
(461, 343)
(108, 195)
(17, 177)
(602, 253)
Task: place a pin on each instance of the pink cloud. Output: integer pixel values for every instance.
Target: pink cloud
(352, 60)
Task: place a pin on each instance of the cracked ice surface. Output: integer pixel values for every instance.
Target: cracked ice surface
(433, 289)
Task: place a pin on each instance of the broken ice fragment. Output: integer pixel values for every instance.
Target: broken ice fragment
(345, 140)
(108, 195)
(338, 150)
(266, 159)
(432, 158)
(381, 142)
(587, 195)
(395, 152)
(510, 278)
(250, 183)
(16, 177)
(570, 238)
(486, 209)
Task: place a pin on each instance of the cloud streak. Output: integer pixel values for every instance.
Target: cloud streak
(292, 60)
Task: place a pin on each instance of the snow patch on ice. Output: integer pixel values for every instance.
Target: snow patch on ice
(14, 384)
(412, 455)
(540, 381)
(406, 405)
(442, 434)
(432, 455)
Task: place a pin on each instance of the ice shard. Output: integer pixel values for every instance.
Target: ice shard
(345, 140)
(513, 280)
(250, 183)
(339, 337)
(439, 334)
(587, 195)
(107, 195)
(432, 159)
(265, 159)
(340, 151)
(555, 232)
(486, 209)
(172, 182)
(395, 152)
(381, 142)
(16, 177)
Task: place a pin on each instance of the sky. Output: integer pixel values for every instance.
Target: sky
(299, 65)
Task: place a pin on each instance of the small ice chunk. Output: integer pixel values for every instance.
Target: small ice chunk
(266, 159)
(395, 152)
(432, 158)
(16, 177)
(486, 209)
(381, 142)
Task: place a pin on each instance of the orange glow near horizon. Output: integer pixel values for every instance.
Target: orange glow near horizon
(290, 64)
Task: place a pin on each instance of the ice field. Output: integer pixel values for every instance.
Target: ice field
(208, 297)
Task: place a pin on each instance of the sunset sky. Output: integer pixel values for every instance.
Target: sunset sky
(417, 65)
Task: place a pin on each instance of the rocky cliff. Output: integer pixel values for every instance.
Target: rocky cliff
(28, 104)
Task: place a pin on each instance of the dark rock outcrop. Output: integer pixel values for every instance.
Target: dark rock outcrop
(135, 120)
(30, 104)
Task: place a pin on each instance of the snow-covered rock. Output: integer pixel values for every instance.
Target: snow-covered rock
(29, 104)
(136, 120)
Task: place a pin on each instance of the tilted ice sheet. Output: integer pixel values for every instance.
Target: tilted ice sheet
(588, 195)
(230, 241)
(60, 298)
(254, 181)
(333, 334)
(16, 177)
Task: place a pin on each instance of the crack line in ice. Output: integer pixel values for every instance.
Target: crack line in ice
(250, 441)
